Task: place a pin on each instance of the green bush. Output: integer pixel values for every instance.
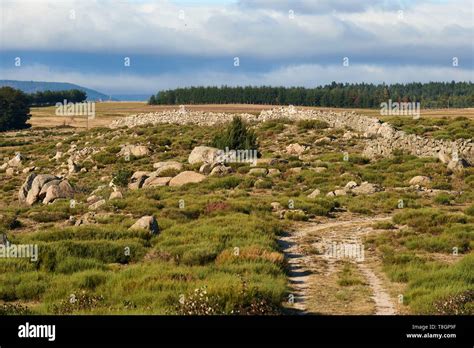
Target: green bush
(14, 109)
(237, 136)
(121, 177)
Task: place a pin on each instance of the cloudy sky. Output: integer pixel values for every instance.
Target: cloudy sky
(235, 42)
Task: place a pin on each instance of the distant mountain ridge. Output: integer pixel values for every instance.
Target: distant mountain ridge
(37, 86)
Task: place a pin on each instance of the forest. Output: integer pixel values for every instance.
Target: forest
(360, 95)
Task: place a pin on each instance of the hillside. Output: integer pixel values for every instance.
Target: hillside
(36, 86)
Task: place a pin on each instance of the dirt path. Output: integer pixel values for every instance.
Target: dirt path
(325, 280)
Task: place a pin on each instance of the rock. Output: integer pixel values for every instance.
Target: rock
(456, 166)
(28, 169)
(340, 192)
(92, 199)
(38, 182)
(147, 223)
(350, 185)
(273, 172)
(323, 140)
(72, 166)
(295, 170)
(318, 169)
(137, 180)
(365, 189)
(3, 167)
(115, 195)
(58, 155)
(203, 154)
(330, 194)
(443, 157)
(26, 187)
(86, 219)
(62, 190)
(157, 181)
(314, 194)
(134, 150)
(16, 161)
(10, 172)
(206, 168)
(276, 206)
(97, 204)
(258, 171)
(295, 149)
(162, 166)
(221, 170)
(420, 180)
(186, 177)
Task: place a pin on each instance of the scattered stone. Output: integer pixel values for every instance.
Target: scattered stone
(314, 194)
(318, 169)
(10, 172)
(295, 149)
(203, 154)
(221, 170)
(258, 171)
(72, 166)
(58, 155)
(350, 185)
(28, 169)
(134, 150)
(273, 172)
(420, 180)
(162, 166)
(3, 167)
(295, 170)
(147, 223)
(206, 168)
(340, 192)
(16, 161)
(137, 180)
(186, 177)
(115, 195)
(156, 181)
(276, 206)
(366, 189)
(456, 166)
(92, 199)
(86, 219)
(97, 204)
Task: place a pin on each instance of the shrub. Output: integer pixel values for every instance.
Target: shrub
(236, 136)
(14, 109)
(121, 177)
(312, 124)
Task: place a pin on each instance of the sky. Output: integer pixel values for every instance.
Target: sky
(143, 46)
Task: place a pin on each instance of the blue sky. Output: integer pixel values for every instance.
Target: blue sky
(196, 42)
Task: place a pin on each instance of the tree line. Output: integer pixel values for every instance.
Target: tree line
(358, 95)
(15, 104)
(49, 98)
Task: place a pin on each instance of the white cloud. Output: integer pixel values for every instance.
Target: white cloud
(251, 28)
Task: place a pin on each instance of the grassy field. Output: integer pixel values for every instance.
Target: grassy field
(107, 111)
(220, 253)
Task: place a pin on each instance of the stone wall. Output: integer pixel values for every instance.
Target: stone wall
(382, 138)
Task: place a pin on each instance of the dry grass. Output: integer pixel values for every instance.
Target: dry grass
(108, 111)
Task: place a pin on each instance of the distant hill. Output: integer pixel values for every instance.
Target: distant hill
(36, 86)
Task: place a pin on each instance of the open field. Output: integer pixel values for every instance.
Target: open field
(107, 111)
(244, 241)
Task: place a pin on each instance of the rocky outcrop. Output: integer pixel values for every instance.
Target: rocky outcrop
(186, 177)
(203, 154)
(134, 150)
(44, 187)
(147, 223)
